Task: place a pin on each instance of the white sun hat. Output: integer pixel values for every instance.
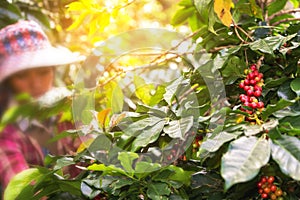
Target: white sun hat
(24, 45)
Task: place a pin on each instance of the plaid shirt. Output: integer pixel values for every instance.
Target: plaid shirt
(17, 153)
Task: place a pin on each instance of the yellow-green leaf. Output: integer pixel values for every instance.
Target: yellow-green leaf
(75, 6)
(103, 116)
(78, 21)
(222, 9)
(84, 145)
(22, 184)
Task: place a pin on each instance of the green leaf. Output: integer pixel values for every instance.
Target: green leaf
(286, 152)
(171, 90)
(255, 9)
(111, 169)
(295, 3)
(88, 190)
(178, 128)
(121, 182)
(205, 179)
(233, 70)
(182, 15)
(140, 125)
(142, 169)
(39, 16)
(143, 91)
(153, 111)
(70, 186)
(149, 135)
(282, 103)
(157, 96)
(156, 191)
(186, 3)
(267, 45)
(126, 159)
(285, 91)
(276, 6)
(195, 24)
(244, 159)
(63, 162)
(203, 7)
(288, 128)
(100, 143)
(180, 175)
(271, 83)
(284, 51)
(255, 129)
(117, 100)
(48, 190)
(115, 97)
(293, 121)
(207, 14)
(163, 175)
(10, 11)
(83, 103)
(212, 144)
(295, 86)
(20, 186)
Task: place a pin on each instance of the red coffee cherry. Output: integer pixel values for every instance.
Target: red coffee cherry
(242, 85)
(271, 179)
(247, 82)
(273, 188)
(260, 104)
(253, 67)
(264, 196)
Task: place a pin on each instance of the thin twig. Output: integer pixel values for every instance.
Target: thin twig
(128, 69)
(238, 35)
(259, 61)
(282, 12)
(176, 46)
(143, 54)
(158, 60)
(265, 4)
(216, 49)
(243, 31)
(127, 4)
(246, 57)
(285, 20)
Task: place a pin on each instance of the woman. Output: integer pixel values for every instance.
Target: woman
(27, 61)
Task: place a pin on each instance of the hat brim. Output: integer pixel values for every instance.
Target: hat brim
(50, 56)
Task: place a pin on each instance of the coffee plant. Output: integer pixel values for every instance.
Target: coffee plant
(182, 138)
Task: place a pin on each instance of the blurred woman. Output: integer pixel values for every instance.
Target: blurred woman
(27, 62)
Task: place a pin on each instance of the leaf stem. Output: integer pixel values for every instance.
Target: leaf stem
(243, 31)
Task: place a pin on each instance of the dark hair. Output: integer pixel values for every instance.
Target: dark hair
(4, 97)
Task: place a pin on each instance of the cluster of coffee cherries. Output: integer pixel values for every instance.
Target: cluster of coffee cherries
(197, 143)
(252, 85)
(268, 189)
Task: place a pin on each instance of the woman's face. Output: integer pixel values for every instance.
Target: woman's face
(35, 81)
